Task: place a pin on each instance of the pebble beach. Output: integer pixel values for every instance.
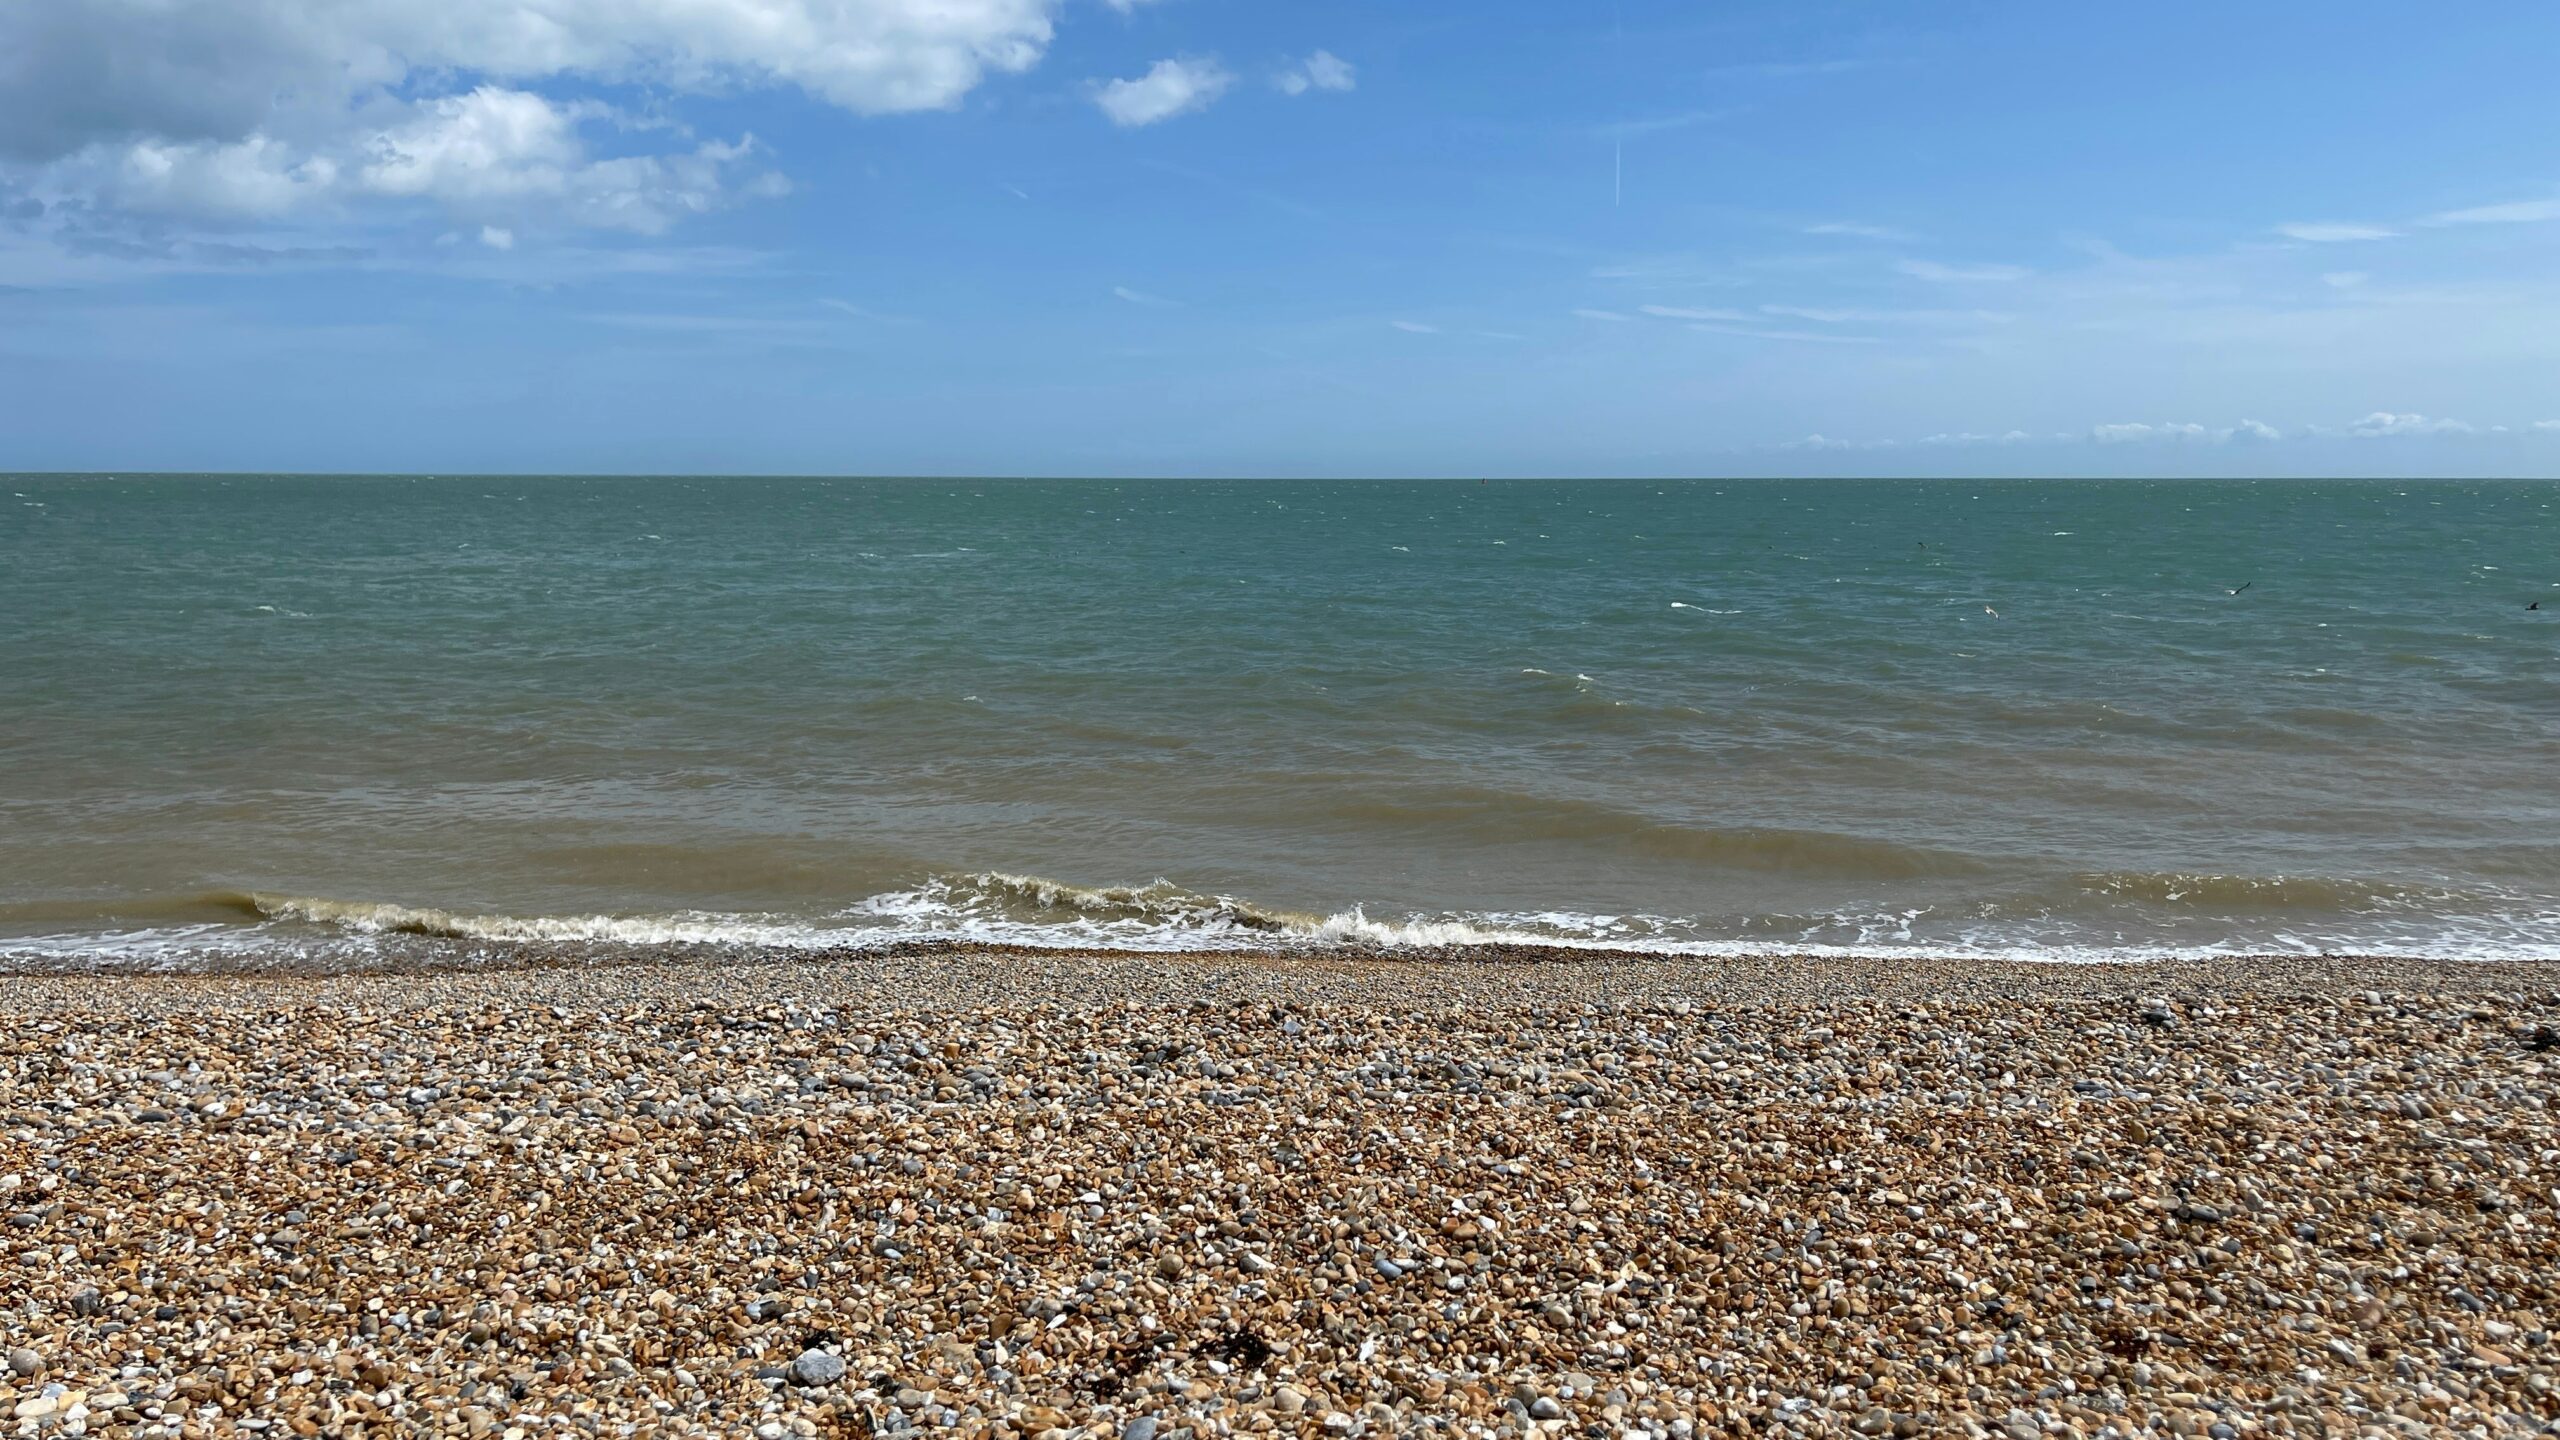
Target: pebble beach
(1044, 1194)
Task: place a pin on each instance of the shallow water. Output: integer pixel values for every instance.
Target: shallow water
(299, 720)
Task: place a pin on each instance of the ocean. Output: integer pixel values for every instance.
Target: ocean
(271, 721)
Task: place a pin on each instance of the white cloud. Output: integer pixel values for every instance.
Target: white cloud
(1127, 6)
(497, 238)
(222, 111)
(1169, 88)
(2380, 424)
(1956, 274)
(1141, 297)
(1967, 437)
(492, 154)
(1323, 70)
(254, 179)
(1849, 230)
(2344, 279)
(2173, 433)
(2384, 423)
(2527, 212)
(181, 70)
(1609, 315)
(1415, 327)
(2334, 232)
(1677, 312)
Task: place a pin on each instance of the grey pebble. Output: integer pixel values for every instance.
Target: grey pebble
(817, 1367)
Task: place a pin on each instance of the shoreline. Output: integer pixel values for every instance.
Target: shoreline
(1050, 1196)
(965, 973)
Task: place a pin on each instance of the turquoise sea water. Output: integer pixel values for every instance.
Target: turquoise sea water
(249, 720)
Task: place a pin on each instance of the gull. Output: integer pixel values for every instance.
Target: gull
(1987, 610)
(2244, 586)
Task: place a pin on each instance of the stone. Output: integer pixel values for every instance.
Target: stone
(25, 1363)
(816, 1367)
(1003, 1193)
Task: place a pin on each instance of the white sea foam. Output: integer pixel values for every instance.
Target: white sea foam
(1016, 910)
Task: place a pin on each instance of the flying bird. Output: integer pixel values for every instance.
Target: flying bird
(2245, 585)
(1987, 610)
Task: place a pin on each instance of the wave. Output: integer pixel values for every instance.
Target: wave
(2110, 916)
(365, 917)
(1032, 900)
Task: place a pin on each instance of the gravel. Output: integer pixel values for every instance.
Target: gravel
(1075, 1195)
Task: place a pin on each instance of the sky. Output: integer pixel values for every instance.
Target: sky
(1239, 237)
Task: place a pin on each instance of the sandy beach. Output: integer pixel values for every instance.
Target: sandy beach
(1028, 1194)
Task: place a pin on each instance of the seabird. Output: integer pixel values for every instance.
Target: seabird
(1987, 610)
(2536, 605)
(2244, 585)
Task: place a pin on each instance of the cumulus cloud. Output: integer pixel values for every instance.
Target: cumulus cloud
(1959, 274)
(1169, 88)
(2379, 424)
(1323, 70)
(1967, 437)
(2383, 423)
(493, 152)
(2334, 232)
(232, 110)
(2137, 433)
(253, 179)
(83, 71)
(2247, 432)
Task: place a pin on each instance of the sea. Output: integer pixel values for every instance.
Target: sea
(345, 722)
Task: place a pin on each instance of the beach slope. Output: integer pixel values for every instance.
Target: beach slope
(1023, 1194)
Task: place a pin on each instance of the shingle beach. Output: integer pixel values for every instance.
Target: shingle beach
(1138, 1197)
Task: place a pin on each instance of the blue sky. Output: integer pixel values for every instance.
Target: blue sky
(1212, 236)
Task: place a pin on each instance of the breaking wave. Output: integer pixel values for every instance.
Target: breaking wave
(2129, 916)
